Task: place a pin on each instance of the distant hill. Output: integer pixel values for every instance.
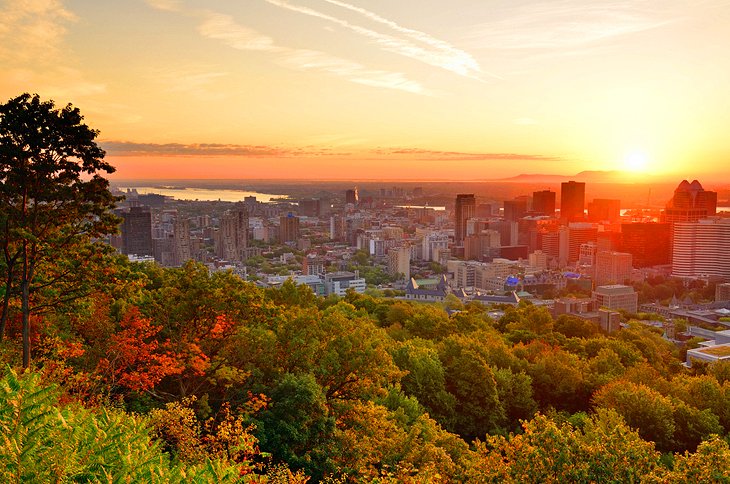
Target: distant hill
(613, 176)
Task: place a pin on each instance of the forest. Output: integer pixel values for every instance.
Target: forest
(163, 374)
(112, 371)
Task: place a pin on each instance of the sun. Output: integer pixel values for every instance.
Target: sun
(636, 162)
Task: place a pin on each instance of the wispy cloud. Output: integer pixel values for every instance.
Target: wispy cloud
(565, 24)
(426, 49)
(130, 148)
(32, 30)
(224, 28)
(355, 72)
(424, 154)
(195, 80)
(33, 53)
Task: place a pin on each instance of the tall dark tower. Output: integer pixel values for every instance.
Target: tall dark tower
(466, 207)
(352, 196)
(544, 202)
(572, 201)
(690, 203)
(137, 232)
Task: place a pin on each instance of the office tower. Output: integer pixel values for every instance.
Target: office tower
(288, 228)
(616, 297)
(181, 241)
(477, 246)
(352, 196)
(465, 209)
(515, 209)
(231, 239)
(612, 267)
(399, 262)
(648, 243)
(701, 248)
(137, 232)
(690, 203)
(572, 201)
(309, 208)
(543, 202)
(578, 234)
(604, 210)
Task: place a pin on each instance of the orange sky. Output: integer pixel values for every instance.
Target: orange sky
(380, 89)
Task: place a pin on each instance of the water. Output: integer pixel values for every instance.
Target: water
(205, 194)
(422, 206)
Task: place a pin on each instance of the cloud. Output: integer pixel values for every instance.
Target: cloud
(165, 5)
(193, 80)
(224, 28)
(425, 154)
(355, 72)
(32, 30)
(131, 148)
(566, 24)
(428, 50)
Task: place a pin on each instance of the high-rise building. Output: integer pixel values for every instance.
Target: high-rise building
(231, 239)
(543, 202)
(309, 207)
(616, 296)
(515, 209)
(399, 262)
(288, 228)
(465, 209)
(137, 231)
(701, 248)
(352, 196)
(612, 268)
(572, 201)
(181, 241)
(690, 203)
(578, 234)
(647, 242)
(604, 210)
(477, 246)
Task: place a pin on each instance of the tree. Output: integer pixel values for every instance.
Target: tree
(51, 196)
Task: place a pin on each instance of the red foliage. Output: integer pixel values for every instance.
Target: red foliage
(135, 358)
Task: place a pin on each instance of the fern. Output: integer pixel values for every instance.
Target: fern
(41, 442)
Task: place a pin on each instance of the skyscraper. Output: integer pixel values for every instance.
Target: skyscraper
(288, 228)
(613, 267)
(647, 242)
(572, 201)
(465, 209)
(690, 203)
(701, 248)
(232, 236)
(352, 196)
(515, 209)
(137, 232)
(181, 241)
(604, 210)
(543, 202)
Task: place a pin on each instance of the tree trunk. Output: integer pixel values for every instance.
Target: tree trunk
(25, 308)
(25, 305)
(6, 305)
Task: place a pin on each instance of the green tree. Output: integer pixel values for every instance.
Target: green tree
(51, 195)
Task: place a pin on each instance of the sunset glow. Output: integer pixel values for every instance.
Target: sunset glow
(379, 89)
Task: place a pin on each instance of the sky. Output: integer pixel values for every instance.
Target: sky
(383, 89)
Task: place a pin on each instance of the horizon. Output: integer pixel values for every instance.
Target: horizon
(327, 89)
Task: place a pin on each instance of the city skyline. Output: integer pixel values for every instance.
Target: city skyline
(351, 90)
